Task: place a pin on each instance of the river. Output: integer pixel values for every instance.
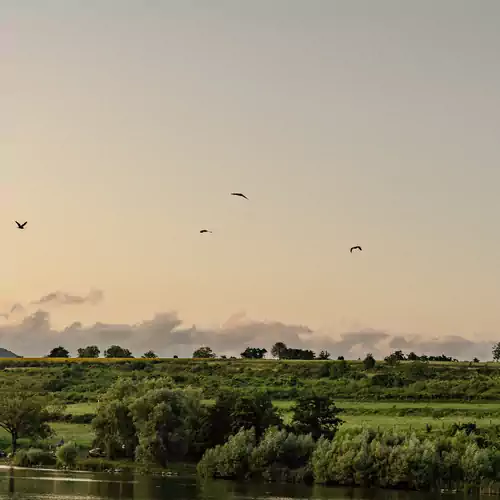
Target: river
(31, 484)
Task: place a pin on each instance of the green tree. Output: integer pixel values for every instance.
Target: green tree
(24, 414)
(253, 353)
(150, 355)
(204, 352)
(324, 355)
(115, 351)
(278, 349)
(496, 352)
(235, 409)
(168, 424)
(293, 353)
(338, 369)
(412, 357)
(58, 352)
(114, 428)
(369, 362)
(316, 415)
(91, 351)
(394, 358)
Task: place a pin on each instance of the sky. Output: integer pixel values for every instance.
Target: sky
(125, 124)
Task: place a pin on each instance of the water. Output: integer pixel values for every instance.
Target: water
(31, 484)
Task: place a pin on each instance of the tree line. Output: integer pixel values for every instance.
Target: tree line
(279, 351)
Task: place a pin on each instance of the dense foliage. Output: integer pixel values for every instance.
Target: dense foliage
(361, 457)
(76, 379)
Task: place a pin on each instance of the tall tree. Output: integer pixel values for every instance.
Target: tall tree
(58, 352)
(168, 424)
(204, 352)
(24, 414)
(369, 362)
(253, 353)
(316, 414)
(115, 351)
(91, 351)
(496, 352)
(324, 355)
(278, 349)
(235, 409)
(150, 355)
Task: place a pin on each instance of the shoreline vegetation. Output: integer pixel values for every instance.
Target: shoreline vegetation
(413, 424)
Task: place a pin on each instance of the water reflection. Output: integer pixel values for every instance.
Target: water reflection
(31, 484)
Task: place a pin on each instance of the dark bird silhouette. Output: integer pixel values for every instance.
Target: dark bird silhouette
(205, 231)
(21, 226)
(241, 195)
(356, 248)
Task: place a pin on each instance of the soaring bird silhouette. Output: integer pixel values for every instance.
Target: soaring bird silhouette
(356, 248)
(20, 226)
(241, 195)
(205, 231)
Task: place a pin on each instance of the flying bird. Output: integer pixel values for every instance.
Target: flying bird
(241, 195)
(21, 226)
(356, 248)
(205, 231)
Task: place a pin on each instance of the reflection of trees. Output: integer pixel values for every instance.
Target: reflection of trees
(12, 482)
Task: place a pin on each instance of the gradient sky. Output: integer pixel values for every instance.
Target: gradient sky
(124, 126)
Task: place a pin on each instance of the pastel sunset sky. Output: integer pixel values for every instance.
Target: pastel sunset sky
(125, 124)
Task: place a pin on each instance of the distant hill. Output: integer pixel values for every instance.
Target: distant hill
(4, 353)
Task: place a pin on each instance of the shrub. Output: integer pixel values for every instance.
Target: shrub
(282, 456)
(34, 457)
(96, 464)
(67, 455)
(229, 460)
(359, 457)
(21, 459)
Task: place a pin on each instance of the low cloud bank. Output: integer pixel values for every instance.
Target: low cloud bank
(165, 334)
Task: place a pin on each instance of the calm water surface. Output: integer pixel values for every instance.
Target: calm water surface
(38, 484)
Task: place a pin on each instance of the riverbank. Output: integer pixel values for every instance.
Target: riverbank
(110, 467)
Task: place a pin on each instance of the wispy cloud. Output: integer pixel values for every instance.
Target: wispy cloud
(63, 298)
(15, 308)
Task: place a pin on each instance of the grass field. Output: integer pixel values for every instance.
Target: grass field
(375, 417)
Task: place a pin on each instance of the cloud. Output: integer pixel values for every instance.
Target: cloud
(63, 298)
(14, 308)
(166, 334)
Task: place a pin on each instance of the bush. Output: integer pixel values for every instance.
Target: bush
(279, 456)
(96, 464)
(360, 457)
(34, 457)
(21, 459)
(282, 456)
(67, 455)
(230, 460)
(84, 418)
